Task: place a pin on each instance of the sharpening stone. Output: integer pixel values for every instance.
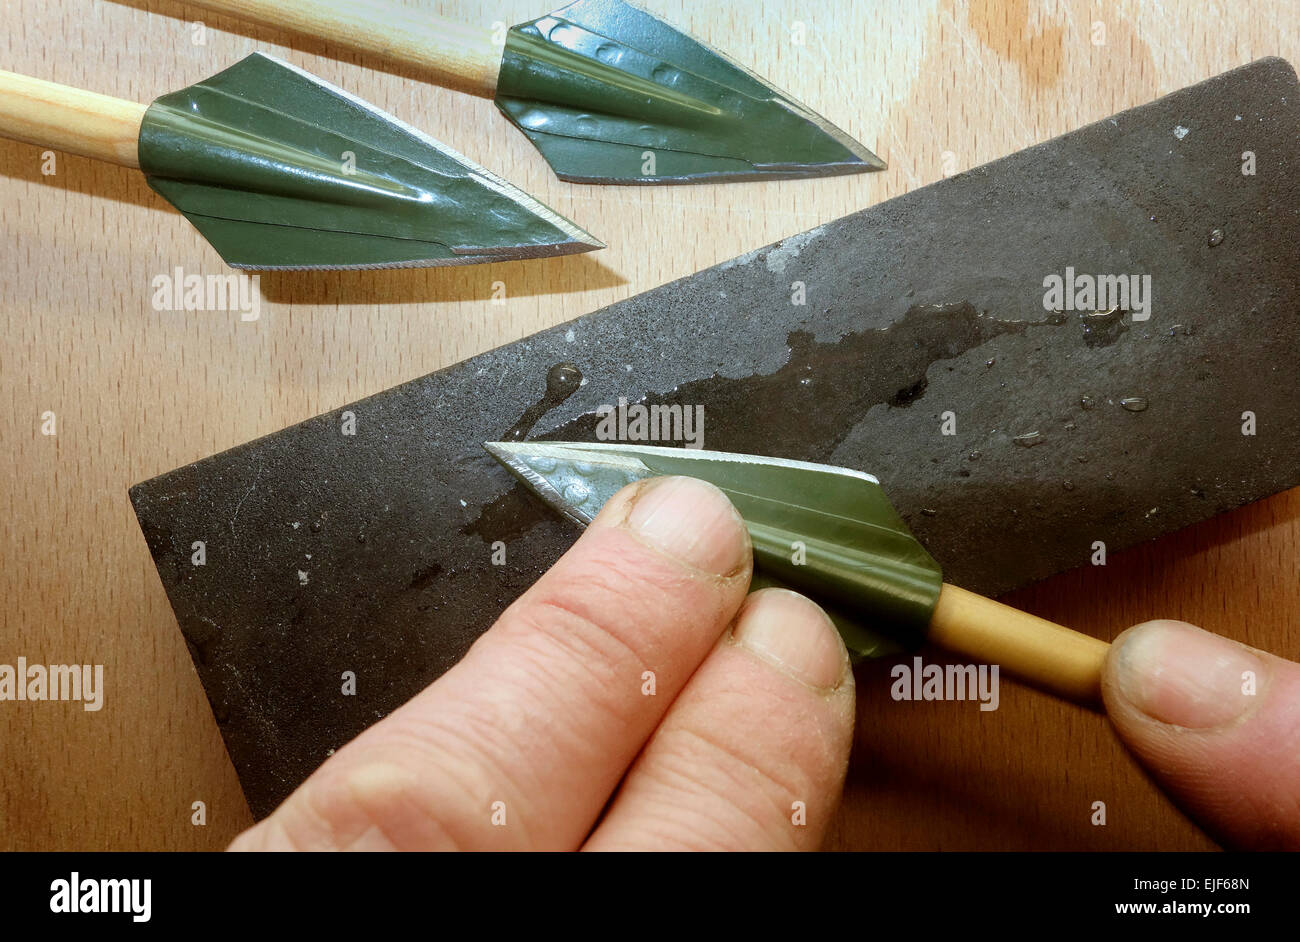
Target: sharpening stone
(926, 315)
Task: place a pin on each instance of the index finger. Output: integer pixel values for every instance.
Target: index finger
(521, 744)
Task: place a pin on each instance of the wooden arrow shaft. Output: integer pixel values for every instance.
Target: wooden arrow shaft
(1050, 656)
(69, 119)
(457, 55)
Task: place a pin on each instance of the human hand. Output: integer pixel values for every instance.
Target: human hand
(521, 745)
(1181, 700)
(637, 668)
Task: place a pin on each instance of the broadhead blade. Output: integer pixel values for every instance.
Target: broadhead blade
(828, 531)
(612, 94)
(280, 170)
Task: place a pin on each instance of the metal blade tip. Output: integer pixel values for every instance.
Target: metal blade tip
(512, 456)
(499, 450)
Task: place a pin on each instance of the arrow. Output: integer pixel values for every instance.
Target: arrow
(278, 170)
(831, 533)
(607, 92)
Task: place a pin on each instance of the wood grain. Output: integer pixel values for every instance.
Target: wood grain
(934, 87)
(73, 120)
(456, 54)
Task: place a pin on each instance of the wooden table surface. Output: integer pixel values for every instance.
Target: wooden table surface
(934, 87)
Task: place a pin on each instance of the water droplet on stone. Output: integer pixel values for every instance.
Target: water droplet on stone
(975, 456)
(1216, 237)
(1029, 439)
(928, 511)
(1103, 328)
(1134, 403)
(562, 379)
(1087, 402)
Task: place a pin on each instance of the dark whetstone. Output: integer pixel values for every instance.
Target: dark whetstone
(931, 302)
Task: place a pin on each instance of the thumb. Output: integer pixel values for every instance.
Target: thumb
(1217, 724)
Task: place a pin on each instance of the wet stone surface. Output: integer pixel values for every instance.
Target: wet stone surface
(912, 312)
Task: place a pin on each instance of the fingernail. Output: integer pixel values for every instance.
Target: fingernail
(1176, 673)
(693, 521)
(793, 634)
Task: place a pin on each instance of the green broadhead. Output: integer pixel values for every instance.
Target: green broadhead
(826, 531)
(279, 169)
(611, 94)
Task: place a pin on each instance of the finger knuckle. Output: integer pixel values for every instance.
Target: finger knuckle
(376, 804)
